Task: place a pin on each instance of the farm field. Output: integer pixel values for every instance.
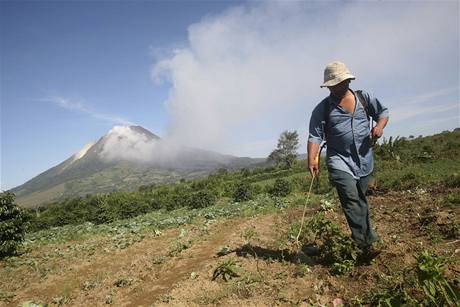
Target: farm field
(245, 253)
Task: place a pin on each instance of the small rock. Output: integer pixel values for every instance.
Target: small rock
(338, 302)
(108, 299)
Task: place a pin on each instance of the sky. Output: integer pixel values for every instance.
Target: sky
(227, 76)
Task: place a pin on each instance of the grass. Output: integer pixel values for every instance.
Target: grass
(403, 176)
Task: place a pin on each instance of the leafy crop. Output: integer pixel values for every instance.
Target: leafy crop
(437, 289)
(249, 234)
(335, 248)
(227, 270)
(179, 246)
(122, 282)
(425, 284)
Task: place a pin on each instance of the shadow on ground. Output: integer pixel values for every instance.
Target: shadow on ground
(306, 255)
(302, 257)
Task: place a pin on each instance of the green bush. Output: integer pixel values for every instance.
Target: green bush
(102, 209)
(202, 199)
(281, 188)
(337, 249)
(126, 205)
(243, 191)
(13, 225)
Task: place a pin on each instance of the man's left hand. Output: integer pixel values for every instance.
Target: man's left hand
(377, 132)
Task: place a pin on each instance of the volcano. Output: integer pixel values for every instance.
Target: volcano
(124, 159)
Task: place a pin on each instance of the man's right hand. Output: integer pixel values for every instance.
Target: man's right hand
(313, 158)
(314, 168)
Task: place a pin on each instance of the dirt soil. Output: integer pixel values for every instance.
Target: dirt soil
(176, 268)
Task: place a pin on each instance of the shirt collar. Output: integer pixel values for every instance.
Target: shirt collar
(335, 101)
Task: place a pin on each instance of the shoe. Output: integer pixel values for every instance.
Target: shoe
(369, 253)
(311, 250)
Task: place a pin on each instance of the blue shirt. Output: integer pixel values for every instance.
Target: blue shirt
(349, 144)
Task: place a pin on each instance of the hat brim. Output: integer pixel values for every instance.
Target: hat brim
(337, 80)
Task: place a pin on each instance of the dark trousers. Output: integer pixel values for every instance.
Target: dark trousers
(352, 195)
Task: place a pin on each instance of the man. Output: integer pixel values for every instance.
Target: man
(344, 120)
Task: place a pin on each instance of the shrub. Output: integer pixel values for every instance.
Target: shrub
(103, 213)
(336, 249)
(281, 188)
(13, 224)
(243, 191)
(202, 199)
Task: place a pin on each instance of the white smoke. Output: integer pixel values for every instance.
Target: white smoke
(127, 144)
(255, 70)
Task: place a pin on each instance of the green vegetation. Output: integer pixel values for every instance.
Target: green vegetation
(227, 270)
(404, 163)
(107, 223)
(401, 164)
(243, 191)
(286, 151)
(12, 225)
(281, 187)
(425, 284)
(240, 186)
(336, 249)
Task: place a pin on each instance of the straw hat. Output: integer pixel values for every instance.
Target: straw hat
(335, 73)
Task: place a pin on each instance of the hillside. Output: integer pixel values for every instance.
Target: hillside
(126, 158)
(225, 251)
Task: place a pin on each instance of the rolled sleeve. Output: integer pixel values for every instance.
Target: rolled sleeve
(317, 124)
(376, 109)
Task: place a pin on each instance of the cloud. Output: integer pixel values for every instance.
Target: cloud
(129, 143)
(124, 143)
(75, 105)
(403, 109)
(430, 95)
(254, 70)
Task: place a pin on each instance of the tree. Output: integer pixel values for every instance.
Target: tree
(286, 150)
(13, 223)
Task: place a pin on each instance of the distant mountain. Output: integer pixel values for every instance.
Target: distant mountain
(126, 158)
